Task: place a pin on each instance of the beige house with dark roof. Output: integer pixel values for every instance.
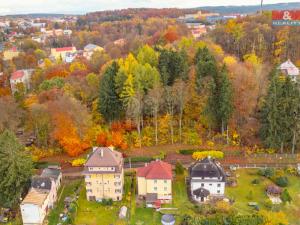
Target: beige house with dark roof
(104, 175)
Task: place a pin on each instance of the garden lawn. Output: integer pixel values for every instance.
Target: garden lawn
(94, 213)
(241, 194)
(64, 191)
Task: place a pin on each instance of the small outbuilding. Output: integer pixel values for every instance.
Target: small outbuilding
(273, 190)
(123, 212)
(168, 219)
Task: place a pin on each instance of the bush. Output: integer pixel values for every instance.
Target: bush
(256, 181)
(268, 204)
(78, 162)
(107, 202)
(204, 154)
(139, 159)
(268, 172)
(188, 151)
(285, 196)
(179, 169)
(281, 181)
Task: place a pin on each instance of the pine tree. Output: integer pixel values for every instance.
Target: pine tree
(206, 65)
(280, 113)
(110, 106)
(15, 169)
(220, 101)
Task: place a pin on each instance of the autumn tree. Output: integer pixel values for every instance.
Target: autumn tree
(11, 114)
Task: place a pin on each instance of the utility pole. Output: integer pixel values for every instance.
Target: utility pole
(261, 6)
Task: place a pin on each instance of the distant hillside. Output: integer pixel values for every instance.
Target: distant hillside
(250, 8)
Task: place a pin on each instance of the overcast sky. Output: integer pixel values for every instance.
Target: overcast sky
(82, 6)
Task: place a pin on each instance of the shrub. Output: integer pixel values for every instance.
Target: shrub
(107, 202)
(268, 204)
(204, 154)
(285, 196)
(291, 170)
(179, 169)
(256, 181)
(250, 195)
(281, 181)
(268, 172)
(139, 159)
(78, 162)
(187, 151)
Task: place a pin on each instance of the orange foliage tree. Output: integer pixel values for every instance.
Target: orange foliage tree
(67, 136)
(115, 138)
(171, 35)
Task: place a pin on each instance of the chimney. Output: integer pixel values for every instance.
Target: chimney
(94, 148)
(101, 152)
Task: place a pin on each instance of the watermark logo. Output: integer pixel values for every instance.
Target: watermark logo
(286, 18)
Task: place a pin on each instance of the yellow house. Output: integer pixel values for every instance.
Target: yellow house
(155, 182)
(104, 175)
(62, 53)
(10, 54)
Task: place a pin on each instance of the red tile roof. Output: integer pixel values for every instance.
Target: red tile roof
(65, 49)
(156, 170)
(18, 74)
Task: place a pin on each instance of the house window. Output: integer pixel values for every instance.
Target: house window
(219, 185)
(89, 191)
(165, 188)
(210, 184)
(155, 181)
(118, 191)
(165, 181)
(155, 188)
(202, 185)
(219, 191)
(117, 176)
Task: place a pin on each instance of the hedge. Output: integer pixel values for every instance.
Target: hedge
(204, 154)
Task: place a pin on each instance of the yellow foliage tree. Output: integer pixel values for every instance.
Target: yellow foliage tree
(205, 154)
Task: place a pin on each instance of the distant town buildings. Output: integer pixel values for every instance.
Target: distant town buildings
(21, 76)
(9, 54)
(41, 196)
(89, 50)
(66, 54)
(104, 175)
(207, 179)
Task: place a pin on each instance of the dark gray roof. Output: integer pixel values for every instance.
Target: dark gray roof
(207, 168)
(201, 192)
(51, 172)
(168, 218)
(41, 183)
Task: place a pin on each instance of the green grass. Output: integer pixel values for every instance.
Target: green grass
(241, 192)
(65, 190)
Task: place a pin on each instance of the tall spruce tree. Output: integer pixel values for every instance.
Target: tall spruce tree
(220, 101)
(15, 169)
(110, 106)
(280, 113)
(206, 65)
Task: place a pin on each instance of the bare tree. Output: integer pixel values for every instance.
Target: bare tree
(181, 96)
(135, 111)
(154, 101)
(170, 107)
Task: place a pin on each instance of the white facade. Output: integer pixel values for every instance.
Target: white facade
(207, 179)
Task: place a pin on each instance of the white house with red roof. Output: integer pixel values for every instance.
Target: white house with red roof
(63, 53)
(289, 69)
(21, 76)
(154, 182)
